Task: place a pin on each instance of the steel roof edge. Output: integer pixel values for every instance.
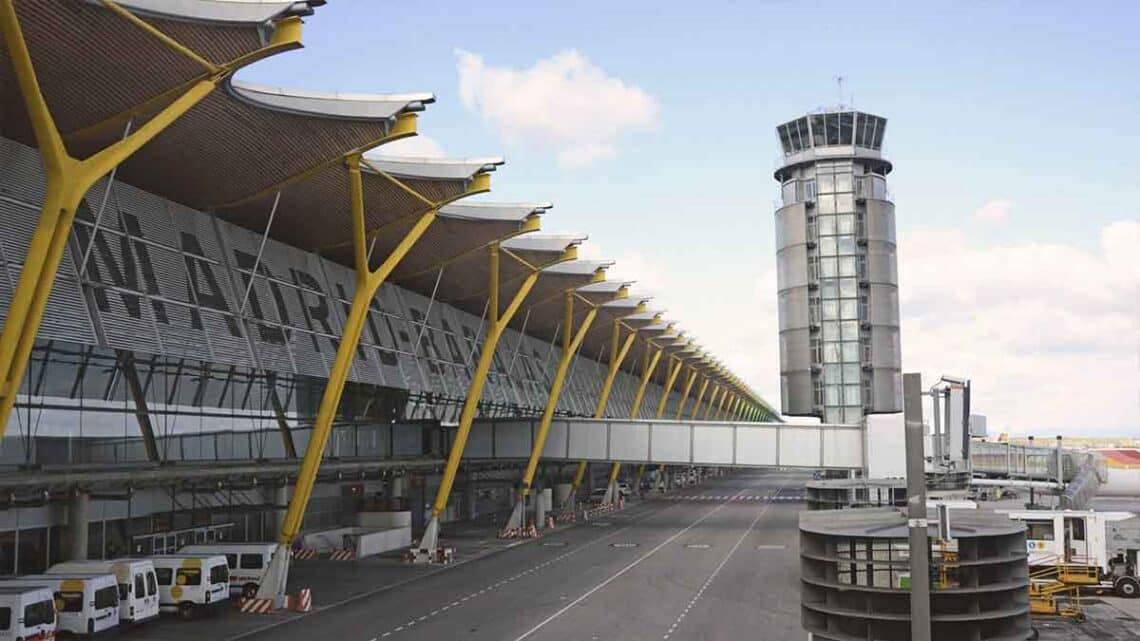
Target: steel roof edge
(542, 241)
(344, 106)
(221, 11)
(430, 168)
(579, 268)
(493, 211)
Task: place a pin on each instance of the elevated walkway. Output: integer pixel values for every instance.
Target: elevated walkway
(838, 447)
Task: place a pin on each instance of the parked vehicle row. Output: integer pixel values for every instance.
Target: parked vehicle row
(88, 597)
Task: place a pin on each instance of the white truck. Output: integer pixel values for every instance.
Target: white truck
(1107, 541)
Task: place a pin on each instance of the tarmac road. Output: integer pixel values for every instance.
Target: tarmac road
(718, 561)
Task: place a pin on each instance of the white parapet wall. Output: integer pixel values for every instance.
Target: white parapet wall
(364, 541)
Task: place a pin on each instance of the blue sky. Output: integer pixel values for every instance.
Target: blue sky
(1029, 109)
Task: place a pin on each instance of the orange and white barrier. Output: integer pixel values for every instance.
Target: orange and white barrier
(303, 602)
(256, 606)
(305, 554)
(529, 532)
(342, 555)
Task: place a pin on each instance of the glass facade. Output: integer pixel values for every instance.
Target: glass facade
(835, 229)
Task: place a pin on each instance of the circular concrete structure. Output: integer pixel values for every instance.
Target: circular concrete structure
(855, 569)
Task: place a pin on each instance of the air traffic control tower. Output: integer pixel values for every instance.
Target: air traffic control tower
(837, 272)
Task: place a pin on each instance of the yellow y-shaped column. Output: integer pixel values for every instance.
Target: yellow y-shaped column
(689, 380)
(700, 397)
(68, 180)
(669, 383)
(570, 342)
(368, 281)
(646, 374)
(496, 324)
(617, 356)
(712, 402)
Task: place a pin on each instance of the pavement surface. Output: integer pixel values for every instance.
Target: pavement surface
(714, 561)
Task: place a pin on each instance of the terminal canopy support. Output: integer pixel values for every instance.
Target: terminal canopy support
(69, 178)
(713, 397)
(571, 341)
(497, 322)
(649, 364)
(689, 380)
(368, 281)
(700, 397)
(617, 357)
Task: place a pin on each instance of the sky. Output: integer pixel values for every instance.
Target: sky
(1013, 129)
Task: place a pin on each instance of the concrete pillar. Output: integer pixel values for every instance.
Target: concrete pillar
(469, 497)
(280, 506)
(545, 499)
(77, 527)
(562, 493)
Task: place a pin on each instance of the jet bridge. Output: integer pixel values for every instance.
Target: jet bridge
(673, 442)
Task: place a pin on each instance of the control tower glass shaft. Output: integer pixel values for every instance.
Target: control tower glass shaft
(837, 269)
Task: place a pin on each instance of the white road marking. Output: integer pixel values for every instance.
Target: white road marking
(716, 571)
(620, 572)
(495, 586)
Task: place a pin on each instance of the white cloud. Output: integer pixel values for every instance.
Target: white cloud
(1049, 333)
(563, 102)
(994, 211)
(418, 146)
(648, 276)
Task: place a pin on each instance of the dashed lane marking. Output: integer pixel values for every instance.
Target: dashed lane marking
(709, 580)
(613, 577)
(499, 584)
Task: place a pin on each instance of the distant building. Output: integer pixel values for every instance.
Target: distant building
(837, 271)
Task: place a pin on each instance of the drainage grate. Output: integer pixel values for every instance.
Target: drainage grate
(623, 545)
(698, 546)
(771, 547)
(602, 524)
(553, 544)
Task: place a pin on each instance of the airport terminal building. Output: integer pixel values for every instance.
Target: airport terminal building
(194, 309)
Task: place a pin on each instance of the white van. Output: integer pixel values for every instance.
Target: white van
(248, 562)
(85, 603)
(138, 587)
(187, 582)
(26, 613)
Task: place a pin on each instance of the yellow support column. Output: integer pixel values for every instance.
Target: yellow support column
(712, 402)
(635, 409)
(649, 367)
(720, 407)
(700, 397)
(571, 341)
(496, 324)
(692, 378)
(617, 356)
(368, 281)
(672, 380)
(69, 179)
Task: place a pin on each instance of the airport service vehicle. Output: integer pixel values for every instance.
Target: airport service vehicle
(191, 582)
(1104, 543)
(27, 613)
(247, 562)
(138, 589)
(85, 603)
